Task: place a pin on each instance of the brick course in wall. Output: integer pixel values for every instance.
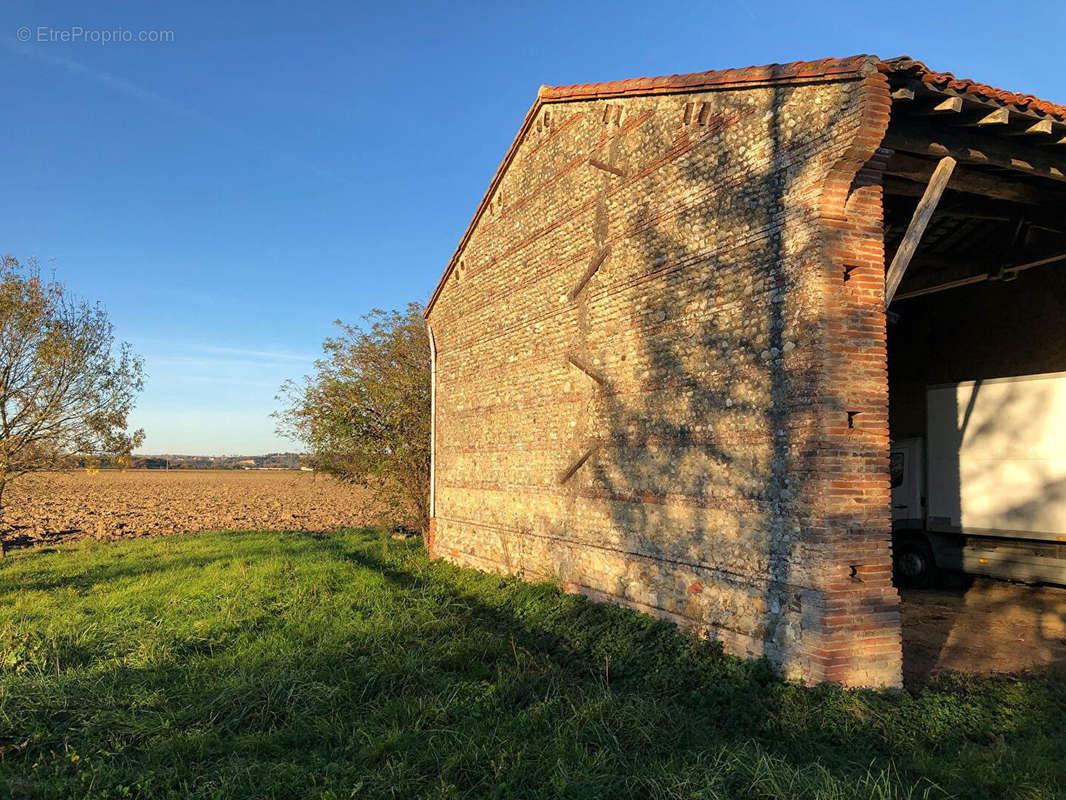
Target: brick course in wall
(660, 371)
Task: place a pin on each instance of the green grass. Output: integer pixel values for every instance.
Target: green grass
(286, 665)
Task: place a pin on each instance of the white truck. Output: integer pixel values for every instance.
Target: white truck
(984, 492)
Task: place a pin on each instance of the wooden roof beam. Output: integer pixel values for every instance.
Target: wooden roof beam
(1001, 116)
(937, 95)
(941, 107)
(974, 148)
(910, 185)
(1003, 273)
(1047, 218)
(1043, 127)
(1045, 215)
(919, 170)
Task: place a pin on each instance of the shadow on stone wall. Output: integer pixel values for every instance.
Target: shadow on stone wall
(735, 384)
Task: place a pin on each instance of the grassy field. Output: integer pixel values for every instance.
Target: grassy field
(347, 665)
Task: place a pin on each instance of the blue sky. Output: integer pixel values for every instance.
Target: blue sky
(280, 165)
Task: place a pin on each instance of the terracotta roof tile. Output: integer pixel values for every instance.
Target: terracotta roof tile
(694, 81)
(904, 66)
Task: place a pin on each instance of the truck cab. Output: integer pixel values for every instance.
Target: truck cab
(913, 561)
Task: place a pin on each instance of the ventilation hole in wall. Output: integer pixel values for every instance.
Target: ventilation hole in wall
(612, 113)
(851, 418)
(695, 113)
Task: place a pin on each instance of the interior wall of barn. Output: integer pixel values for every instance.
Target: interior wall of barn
(994, 329)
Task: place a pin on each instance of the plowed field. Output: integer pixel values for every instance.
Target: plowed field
(61, 506)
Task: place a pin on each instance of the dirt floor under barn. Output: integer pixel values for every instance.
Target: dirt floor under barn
(990, 626)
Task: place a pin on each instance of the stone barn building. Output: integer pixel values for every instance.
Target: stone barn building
(663, 349)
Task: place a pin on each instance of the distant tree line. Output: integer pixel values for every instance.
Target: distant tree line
(268, 461)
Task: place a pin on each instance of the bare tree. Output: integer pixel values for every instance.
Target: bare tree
(364, 414)
(64, 390)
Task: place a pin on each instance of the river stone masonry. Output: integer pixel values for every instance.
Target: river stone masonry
(660, 363)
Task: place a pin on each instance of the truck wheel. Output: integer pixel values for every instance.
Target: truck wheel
(913, 565)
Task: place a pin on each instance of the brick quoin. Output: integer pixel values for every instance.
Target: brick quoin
(652, 382)
(863, 645)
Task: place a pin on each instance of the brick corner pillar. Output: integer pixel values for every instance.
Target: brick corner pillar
(858, 642)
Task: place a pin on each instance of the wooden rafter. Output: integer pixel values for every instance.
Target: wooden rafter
(949, 105)
(1050, 218)
(931, 94)
(1043, 127)
(975, 148)
(969, 280)
(1041, 212)
(920, 170)
(1001, 116)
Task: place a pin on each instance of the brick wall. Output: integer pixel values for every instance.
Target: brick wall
(654, 384)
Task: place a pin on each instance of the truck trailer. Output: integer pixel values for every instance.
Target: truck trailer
(984, 491)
